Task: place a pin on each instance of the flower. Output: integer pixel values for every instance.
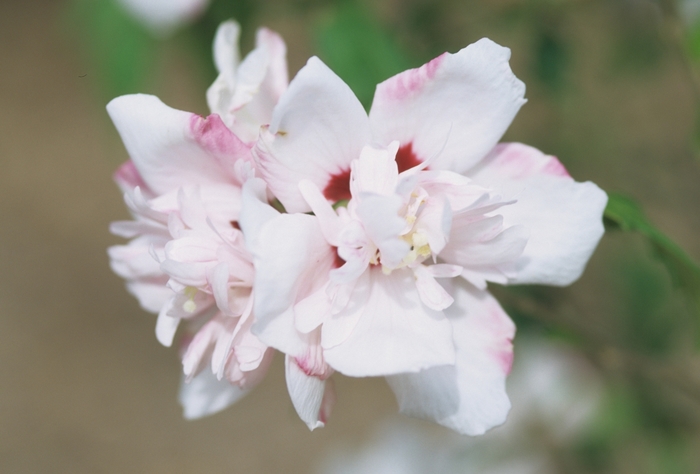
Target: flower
(422, 193)
(187, 260)
(162, 17)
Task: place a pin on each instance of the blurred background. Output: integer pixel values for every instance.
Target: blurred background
(613, 90)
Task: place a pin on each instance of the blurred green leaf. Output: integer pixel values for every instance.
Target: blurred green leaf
(625, 214)
(359, 50)
(692, 37)
(650, 320)
(121, 50)
(551, 59)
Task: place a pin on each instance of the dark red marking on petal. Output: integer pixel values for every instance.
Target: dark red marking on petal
(338, 187)
(235, 225)
(338, 262)
(406, 158)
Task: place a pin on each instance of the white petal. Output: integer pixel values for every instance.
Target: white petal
(306, 393)
(470, 396)
(255, 211)
(205, 395)
(431, 293)
(226, 54)
(152, 296)
(458, 105)
(317, 129)
(166, 326)
(564, 218)
(331, 225)
(375, 171)
(484, 243)
(381, 220)
(292, 261)
(163, 16)
(171, 148)
(395, 332)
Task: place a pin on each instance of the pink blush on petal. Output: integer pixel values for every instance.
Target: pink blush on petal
(522, 161)
(213, 135)
(407, 83)
(505, 360)
(555, 168)
(128, 176)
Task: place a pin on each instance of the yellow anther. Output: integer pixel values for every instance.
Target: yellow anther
(190, 306)
(419, 239)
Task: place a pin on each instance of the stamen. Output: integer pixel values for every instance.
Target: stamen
(190, 306)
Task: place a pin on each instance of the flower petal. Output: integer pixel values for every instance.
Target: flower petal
(564, 217)
(458, 105)
(395, 332)
(321, 120)
(205, 395)
(470, 396)
(170, 148)
(166, 326)
(307, 393)
(292, 261)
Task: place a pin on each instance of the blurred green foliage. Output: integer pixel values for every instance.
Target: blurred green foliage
(359, 49)
(120, 51)
(625, 214)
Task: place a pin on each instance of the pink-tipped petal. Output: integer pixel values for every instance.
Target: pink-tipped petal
(306, 392)
(457, 106)
(171, 148)
(469, 396)
(564, 218)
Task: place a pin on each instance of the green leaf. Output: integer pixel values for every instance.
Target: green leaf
(120, 51)
(359, 50)
(625, 214)
(551, 59)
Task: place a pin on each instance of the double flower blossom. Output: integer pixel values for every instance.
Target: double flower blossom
(292, 220)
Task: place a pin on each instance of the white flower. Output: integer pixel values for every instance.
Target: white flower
(187, 260)
(162, 17)
(395, 284)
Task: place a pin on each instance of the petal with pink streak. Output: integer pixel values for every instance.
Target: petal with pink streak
(469, 396)
(320, 119)
(171, 148)
(395, 331)
(457, 106)
(564, 217)
(127, 178)
(307, 394)
(205, 395)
